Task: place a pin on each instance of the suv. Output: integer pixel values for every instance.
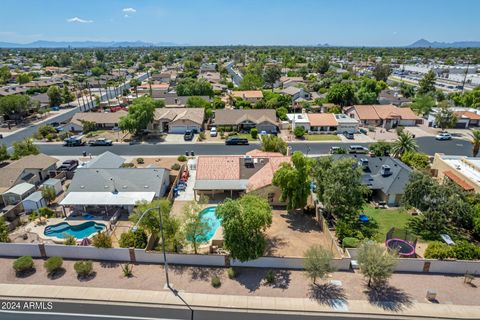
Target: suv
(68, 165)
(348, 135)
(100, 142)
(188, 136)
(74, 141)
(357, 149)
(236, 141)
(443, 136)
(213, 132)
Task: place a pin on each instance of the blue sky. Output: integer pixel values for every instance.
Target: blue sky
(252, 22)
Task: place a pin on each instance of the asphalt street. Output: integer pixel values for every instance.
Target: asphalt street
(80, 311)
(426, 144)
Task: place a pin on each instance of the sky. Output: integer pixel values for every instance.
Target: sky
(242, 22)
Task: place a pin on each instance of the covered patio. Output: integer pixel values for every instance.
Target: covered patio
(220, 189)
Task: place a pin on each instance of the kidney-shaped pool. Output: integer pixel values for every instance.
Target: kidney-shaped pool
(79, 231)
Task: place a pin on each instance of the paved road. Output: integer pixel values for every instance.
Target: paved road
(83, 311)
(427, 144)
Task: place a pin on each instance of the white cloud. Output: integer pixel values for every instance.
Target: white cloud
(79, 20)
(129, 10)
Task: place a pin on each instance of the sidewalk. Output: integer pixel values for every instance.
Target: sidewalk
(253, 303)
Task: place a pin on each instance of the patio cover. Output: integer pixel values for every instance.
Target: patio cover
(221, 184)
(106, 198)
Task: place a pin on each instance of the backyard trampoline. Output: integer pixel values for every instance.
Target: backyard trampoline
(402, 242)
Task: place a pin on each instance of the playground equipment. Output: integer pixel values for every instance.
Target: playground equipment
(401, 241)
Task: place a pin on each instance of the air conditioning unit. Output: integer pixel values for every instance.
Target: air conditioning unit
(385, 171)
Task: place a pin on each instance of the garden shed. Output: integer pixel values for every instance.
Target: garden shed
(34, 202)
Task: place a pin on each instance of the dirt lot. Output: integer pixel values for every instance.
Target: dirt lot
(161, 162)
(291, 231)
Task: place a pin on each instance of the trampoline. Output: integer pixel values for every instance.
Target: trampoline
(404, 248)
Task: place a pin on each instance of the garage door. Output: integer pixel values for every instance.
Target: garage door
(177, 129)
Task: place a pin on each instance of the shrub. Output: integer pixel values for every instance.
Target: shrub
(439, 250)
(53, 264)
(175, 166)
(127, 165)
(127, 270)
(231, 273)
(102, 240)
(299, 132)
(50, 137)
(182, 158)
(140, 161)
(46, 212)
(23, 264)
(350, 242)
(202, 136)
(133, 239)
(216, 283)
(466, 250)
(254, 133)
(83, 268)
(70, 241)
(270, 277)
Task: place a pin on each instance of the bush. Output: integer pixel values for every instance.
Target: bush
(182, 158)
(140, 161)
(216, 283)
(254, 133)
(127, 165)
(270, 277)
(231, 273)
(83, 268)
(127, 270)
(70, 241)
(102, 240)
(439, 250)
(50, 137)
(466, 250)
(46, 212)
(299, 132)
(202, 136)
(53, 264)
(175, 166)
(133, 239)
(23, 264)
(349, 242)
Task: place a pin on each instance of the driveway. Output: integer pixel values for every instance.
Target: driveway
(174, 138)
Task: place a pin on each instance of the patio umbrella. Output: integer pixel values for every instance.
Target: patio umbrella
(85, 242)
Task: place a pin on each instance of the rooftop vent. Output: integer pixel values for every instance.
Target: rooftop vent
(248, 162)
(385, 171)
(363, 162)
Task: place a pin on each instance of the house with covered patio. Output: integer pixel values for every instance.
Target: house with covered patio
(244, 120)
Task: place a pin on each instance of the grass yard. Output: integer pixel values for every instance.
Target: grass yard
(386, 219)
(321, 137)
(247, 136)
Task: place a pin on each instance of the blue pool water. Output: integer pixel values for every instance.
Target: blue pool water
(208, 215)
(79, 231)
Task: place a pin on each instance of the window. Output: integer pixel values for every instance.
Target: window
(270, 196)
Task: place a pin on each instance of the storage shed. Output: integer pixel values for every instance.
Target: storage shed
(34, 202)
(56, 184)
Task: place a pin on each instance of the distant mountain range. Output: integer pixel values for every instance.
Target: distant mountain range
(86, 44)
(422, 43)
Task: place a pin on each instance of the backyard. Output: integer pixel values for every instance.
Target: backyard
(386, 219)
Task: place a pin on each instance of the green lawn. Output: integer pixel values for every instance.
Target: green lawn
(321, 137)
(386, 219)
(247, 136)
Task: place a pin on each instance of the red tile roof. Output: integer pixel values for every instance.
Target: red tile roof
(462, 183)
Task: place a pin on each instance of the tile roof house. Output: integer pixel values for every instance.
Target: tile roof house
(252, 96)
(245, 119)
(322, 122)
(103, 120)
(229, 176)
(386, 116)
(466, 117)
(176, 120)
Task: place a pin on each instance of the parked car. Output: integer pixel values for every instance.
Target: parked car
(68, 165)
(348, 135)
(188, 136)
(100, 142)
(236, 141)
(74, 141)
(213, 132)
(134, 141)
(357, 149)
(443, 136)
(334, 150)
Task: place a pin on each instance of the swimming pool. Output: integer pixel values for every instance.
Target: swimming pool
(208, 215)
(79, 231)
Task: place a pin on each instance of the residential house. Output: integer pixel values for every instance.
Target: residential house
(297, 94)
(117, 188)
(466, 117)
(176, 120)
(386, 177)
(390, 96)
(106, 160)
(462, 170)
(103, 120)
(244, 120)
(232, 176)
(286, 82)
(208, 67)
(346, 124)
(252, 96)
(386, 116)
(322, 122)
(172, 100)
(158, 89)
(299, 119)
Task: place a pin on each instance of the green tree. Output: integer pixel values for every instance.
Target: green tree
(135, 83)
(427, 83)
(272, 143)
(49, 194)
(24, 148)
(4, 153)
(3, 231)
(67, 95)
(194, 87)
(102, 240)
(5, 75)
(97, 71)
(89, 126)
(133, 239)
(140, 114)
(55, 96)
(404, 143)
(299, 132)
(294, 181)
(342, 94)
(244, 222)
(407, 90)
(416, 160)
(423, 104)
(196, 227)
(271, 75)
(45, 130)
(375, 263)
(322, 65)
(251, 81)
(381, 72)
(24, 78)
(445, 117)
(317, 262)
(475, 142)
(15, 105)
(282, 113)
(380, 148)
(197, 102)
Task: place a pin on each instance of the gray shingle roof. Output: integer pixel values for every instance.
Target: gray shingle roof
(106, 160)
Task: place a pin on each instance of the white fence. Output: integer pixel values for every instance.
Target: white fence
(287, 263)
(79, 252)
(177, 258)
(19, 249)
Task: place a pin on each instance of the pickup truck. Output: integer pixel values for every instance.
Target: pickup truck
(68, 165)
(74, 141)
(100, 142)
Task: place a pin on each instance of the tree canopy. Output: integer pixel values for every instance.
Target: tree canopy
(140, 114)
(194, 87)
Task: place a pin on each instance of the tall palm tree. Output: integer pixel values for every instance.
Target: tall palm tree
(475, 142)
(404, 143)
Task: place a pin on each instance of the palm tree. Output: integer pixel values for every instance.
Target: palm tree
(404, 143)
(135, 83)
(476, 142)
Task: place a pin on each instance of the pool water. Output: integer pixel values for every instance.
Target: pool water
(208, 215)
(79, 231)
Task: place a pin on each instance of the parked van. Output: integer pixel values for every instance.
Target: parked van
(357, 149)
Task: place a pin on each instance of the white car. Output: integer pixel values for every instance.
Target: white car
(443, 136)
(213, 132)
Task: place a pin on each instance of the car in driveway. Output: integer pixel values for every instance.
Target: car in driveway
(348, 135)
(100, 142)
(213, 132)
(233, 141)
(357, 149)
(443, 136)
(188, 136)
(68, 165)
